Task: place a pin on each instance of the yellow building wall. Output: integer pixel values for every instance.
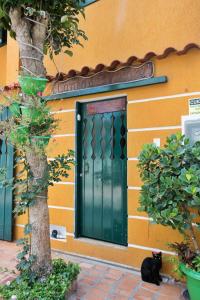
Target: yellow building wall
(118, 29)
(3, 60)
(123, 29)
(152, 112)
(12, 67)
(9, 62)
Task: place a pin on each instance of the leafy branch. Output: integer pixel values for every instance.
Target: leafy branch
(62, 17)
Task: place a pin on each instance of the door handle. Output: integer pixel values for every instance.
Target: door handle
(86, 168)
(100, 178)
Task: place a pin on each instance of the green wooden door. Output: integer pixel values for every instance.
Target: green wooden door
(102, 171)
(6, 161)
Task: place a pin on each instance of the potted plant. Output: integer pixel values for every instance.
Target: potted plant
(31, 124)
(32, 85)
(15, 109)
(170, 195)
(19, 134)
(41, 141)
(40, 123)
(193, 278)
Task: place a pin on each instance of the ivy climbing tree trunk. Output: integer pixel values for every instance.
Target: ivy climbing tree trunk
(30, 36)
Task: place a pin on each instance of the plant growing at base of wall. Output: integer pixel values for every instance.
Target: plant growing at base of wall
(170, 195)
(53, 287)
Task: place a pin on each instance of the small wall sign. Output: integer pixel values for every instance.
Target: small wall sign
(194, 106)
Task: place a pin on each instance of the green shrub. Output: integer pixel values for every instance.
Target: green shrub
(53, 287)
(170, 192)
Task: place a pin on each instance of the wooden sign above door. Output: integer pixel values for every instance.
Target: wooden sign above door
(106, 77)
(101, 107)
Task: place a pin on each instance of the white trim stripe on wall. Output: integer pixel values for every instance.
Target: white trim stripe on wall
(62, 135)
(151, 249)
(133, 158)
(136, 188)
(20, 225)
(140, 218)
(148, 219)
(70, 234)
(129, 130)
(154, 128)
(61, 207)
(129, 158)
(61, 111)
(164, 97)
(129, 245)
(67, 234)
(64, 182)
(174, 96)
(58, 240)
(169, 97)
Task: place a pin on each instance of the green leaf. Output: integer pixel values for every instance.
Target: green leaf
(188, 176)
(27, 229)
(64, 19)
(68, 52)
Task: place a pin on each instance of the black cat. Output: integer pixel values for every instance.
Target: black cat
(151, 267)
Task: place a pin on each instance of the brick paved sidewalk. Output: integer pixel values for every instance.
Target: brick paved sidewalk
(98, 281)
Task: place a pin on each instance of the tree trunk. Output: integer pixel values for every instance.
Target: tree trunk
(39, 216)
(193, 238)
(31, 36)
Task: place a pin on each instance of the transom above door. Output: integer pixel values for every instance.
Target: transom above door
(102, 171)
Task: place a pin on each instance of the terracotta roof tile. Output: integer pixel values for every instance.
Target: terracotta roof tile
(115, 64)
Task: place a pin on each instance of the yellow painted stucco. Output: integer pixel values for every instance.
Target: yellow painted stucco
(118, 29)
(182, 73)
(3, 60)
(123, 28)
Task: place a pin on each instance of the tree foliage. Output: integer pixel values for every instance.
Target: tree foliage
(63, 21)
(171, 183)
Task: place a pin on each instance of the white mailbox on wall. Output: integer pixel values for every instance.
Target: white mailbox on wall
(191, 127)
